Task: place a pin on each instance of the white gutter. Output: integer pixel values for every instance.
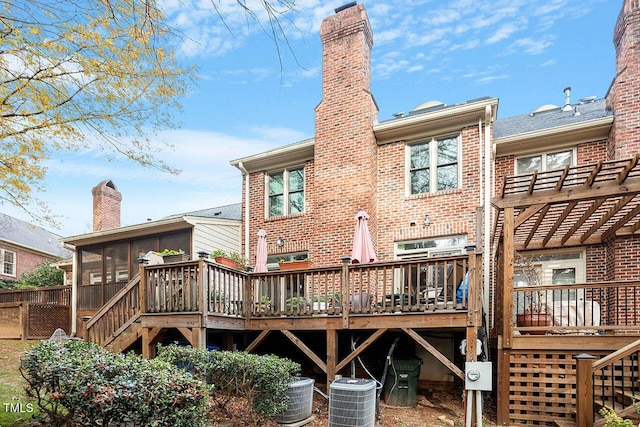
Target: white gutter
(31, 248)
(245, 175)
(488, 190)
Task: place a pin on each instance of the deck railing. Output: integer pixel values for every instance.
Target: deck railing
(173, 288)
(611, 382)
(405, 286)
(93, 297)
(584, 308)
(55, 295)
(115, 317)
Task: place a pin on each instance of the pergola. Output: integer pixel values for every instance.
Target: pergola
(575, 207)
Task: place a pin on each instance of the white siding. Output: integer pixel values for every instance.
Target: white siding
(209, 237)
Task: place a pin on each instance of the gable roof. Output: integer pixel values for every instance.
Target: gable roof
(227, 214)
(552, 118)
(31, 237)
(549, 128)
(233, 211)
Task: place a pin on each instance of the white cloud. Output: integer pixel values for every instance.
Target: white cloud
(504, 32)
(531, 46)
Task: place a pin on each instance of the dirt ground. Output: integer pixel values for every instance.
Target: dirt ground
(434, 408)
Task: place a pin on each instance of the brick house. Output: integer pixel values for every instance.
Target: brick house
(307, 193)
(416, 176)
(428, 180)
(24, 246)
(454, 195)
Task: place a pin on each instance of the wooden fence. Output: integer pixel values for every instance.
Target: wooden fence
(34, 313)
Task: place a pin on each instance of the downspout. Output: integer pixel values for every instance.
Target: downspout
(488, 189)
(245, 174)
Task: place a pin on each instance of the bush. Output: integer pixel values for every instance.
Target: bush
(611, 419)
(79, 383)
(261, 380)
(44, 275)
(8, 284)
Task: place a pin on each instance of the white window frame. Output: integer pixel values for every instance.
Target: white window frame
(432, 252)
(433, 163)
(14, 264)
(543, 156)
(285, 178)
(438, 251)
(545, 268)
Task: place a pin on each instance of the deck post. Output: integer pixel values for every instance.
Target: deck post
(503, 417)
(199, 334)
(332, 356)
(584, 389)
(507, 278)
(344, 292)
(247, 296)
(142, 286)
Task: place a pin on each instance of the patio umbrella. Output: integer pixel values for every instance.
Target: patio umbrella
(261, 252)
(363, 251)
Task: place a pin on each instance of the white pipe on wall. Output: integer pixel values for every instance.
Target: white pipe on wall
(245, 175)
(488, 190)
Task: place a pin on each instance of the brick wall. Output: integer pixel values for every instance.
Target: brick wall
(451, 212)
(345, 146)
(26, 261)
(106, 206)
(350, 172)
(295, 230)
(625, 90)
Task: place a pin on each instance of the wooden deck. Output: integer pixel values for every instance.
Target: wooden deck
(538, 380)
(195, 297)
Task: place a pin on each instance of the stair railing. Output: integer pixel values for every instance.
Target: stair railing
(116, 315)
(611, 382)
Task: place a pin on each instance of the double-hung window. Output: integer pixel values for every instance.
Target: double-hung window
(8, 259)
(434, 165)
(544, 161)
(285, 192)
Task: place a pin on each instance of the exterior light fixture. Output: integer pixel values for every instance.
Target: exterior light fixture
(203, 254)
(280, 242)
(427, 222)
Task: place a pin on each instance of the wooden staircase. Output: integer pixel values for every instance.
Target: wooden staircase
(117, 324)
(611, 382)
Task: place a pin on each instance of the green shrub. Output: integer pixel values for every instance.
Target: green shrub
(79, 383)
(261, 380)
(8, 284)
(44, 275)
(611, 419)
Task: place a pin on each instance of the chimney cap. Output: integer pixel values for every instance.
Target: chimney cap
(345, 6)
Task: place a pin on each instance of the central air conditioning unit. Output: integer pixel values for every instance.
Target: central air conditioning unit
(352, 402)
(300, 394)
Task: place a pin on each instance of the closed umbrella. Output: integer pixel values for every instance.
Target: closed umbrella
(261, 252)
(363, 251)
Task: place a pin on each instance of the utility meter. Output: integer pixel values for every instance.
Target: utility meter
(478, 376)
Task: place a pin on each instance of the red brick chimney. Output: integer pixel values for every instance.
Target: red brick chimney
(625, 89)
(345, 145)
(106, 206)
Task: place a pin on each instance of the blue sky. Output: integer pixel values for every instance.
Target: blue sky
(248, 99)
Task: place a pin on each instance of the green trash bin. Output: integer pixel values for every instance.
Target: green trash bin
(401, 382)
